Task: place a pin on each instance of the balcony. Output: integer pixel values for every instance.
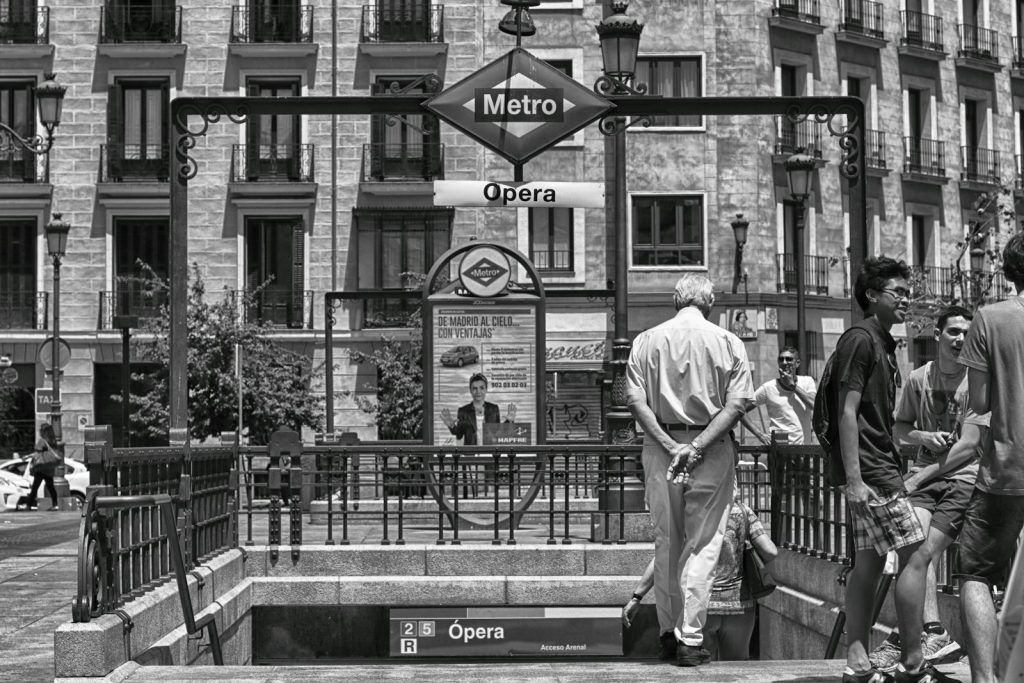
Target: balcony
(559, 260)
(137, 298)
(121, 162)
(24, 26)
(801, 16)
(282, 23)
(815, 274)
(863, 22)
(24, 310)
(385, 311)
(292, 309)
(874, 152)
(132, 23)
(922, 35)
(290, 163)
(979, 49)
(924, 160)
(932, 281)
(417, 25)
(383, 162)
(979, 166)
(790, 136)
(20, 166)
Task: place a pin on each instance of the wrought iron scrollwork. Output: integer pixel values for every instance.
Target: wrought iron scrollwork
(430, 82)
(613, 125)
(822, 113)
(210, 113)
(331, 305)
(610, 86)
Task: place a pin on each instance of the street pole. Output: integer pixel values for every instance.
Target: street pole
(801, 311)
(125, 323)
(620, 426)
(59, 482)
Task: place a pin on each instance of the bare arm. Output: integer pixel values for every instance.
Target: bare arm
(765, 548)
(959, 455)
(749, 424)
(905, 434)
(857, 492)
(726, 419)
(643, 414)
(804, 396)
(978, 386)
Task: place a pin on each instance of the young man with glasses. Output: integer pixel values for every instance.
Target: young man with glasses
(864, 380)
(789, 399)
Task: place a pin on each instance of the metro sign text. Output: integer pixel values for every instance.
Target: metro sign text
(543, 105)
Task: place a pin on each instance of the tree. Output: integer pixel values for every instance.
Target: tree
(276, 381)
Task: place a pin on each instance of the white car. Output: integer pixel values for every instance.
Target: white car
(74, 471)
(13, 490)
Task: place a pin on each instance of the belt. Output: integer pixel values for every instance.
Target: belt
(681, 427)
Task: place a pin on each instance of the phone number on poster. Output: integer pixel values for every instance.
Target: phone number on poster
(510, 385)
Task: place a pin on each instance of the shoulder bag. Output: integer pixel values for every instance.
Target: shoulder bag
(757, 577)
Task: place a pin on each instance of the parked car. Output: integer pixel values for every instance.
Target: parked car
(14, 490)
(74, 471)
(460, 355)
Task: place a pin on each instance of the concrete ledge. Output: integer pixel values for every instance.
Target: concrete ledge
(615, 560)
(562, 590)
(328, 560)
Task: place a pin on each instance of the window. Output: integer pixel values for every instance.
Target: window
(141, 253)
(920, 237)
(16, 110)
(274, 265)
(402, 21)
(408, 149)
(551, 243)
(137, 130)
(672, 77)
(273, 149)
(18, 273)
(668, 230)
(396, 241)
(274, 21)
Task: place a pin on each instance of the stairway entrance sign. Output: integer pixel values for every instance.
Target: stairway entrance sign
(518, 106)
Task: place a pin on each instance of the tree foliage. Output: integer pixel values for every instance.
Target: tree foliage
(275, 381)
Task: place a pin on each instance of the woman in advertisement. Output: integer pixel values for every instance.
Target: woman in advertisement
(471, 418)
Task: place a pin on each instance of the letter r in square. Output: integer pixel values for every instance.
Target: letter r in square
(407, 646)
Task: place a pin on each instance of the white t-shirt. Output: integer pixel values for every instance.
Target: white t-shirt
(786, 412)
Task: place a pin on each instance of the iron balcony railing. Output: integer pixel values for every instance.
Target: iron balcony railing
(1018, 52)
(274, 163)
(23, 23)
(979, 165)
(791, 136)
(874, 142)
(292, 309)
(933, 281)
(921, 30)
(863, 17)
(276, 23)
(417, 24)
(1001, 288)
(140, 23)
(386, 312)
(138, 163)
(802, 10)
(139, 300)
(387, 161)
(924, 156)
(815, 273)
(24, 310)
(1018, 164)
(978, 42)
(19, 166)
(552, 259)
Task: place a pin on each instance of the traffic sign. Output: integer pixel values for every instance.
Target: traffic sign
(535, 193)
(485, 271)
(518, 105)
(44, 397)
(45, 354)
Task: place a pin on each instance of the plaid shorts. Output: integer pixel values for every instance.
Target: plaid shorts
(890, 524)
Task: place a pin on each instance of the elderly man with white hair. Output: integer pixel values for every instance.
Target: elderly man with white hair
(688, 383)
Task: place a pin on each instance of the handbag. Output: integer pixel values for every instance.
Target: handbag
(756, 576)
(45, 458)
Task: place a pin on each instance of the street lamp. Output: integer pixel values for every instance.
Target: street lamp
(739, 231)
(50, 100)
(56, 245)
(799, 171)
(517, 22)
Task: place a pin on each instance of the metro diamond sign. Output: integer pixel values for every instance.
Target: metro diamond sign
(518, 106)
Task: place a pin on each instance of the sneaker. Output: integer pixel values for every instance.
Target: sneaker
(939, 647)
(872, 675)
(668, 646)
(692, 655)
(926, 674)
(886, 656)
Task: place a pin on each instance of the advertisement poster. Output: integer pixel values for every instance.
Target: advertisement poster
(506, 632)
(495, 343)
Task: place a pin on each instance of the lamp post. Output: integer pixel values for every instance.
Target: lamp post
(799, 170)
(739, 231)
(50, 100)
(56, 245)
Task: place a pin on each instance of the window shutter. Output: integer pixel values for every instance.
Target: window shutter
(297, 318)
(115, 133)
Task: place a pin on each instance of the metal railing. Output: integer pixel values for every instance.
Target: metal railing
(389, 312)
(280, 23)
(385, 161)
(137, 300)
(19, 166)
(791, 136)
(1018, 52)
(24, 25)
(874, 153)
(135, 162)
(420, 24)
(924, 156)
(273, 163)
(933, 281)
(552, 259)
(978, 42)
(24, 310)
(815, 273)
(921, 30)
(979, 165)
(140, 23)
(864, 17)
(802, 10)
(290, 308)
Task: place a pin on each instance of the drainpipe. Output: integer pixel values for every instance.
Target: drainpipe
(334, 147)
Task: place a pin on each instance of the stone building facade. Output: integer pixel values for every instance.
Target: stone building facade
(347, 205)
